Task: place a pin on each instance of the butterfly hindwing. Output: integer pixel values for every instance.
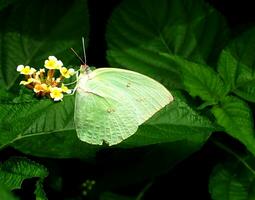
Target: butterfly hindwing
(99, 119)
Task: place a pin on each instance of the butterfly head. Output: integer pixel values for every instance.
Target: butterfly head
(84, 68)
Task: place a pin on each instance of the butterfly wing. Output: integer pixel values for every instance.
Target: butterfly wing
(111, 103)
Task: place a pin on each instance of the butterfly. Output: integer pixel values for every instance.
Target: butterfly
(111, 103)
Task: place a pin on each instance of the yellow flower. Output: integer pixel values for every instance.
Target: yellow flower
(41, 88)
(67, 72)
(56, 93)
(30, 80)
(65, 89)
(26, 70)
(53, 63)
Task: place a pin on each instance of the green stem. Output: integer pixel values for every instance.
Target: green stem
(141, 194)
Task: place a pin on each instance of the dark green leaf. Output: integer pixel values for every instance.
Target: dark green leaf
(203, 81)
(21, 120)
(15, 170)
(42, 128)
(5, 96)
(233, 181)
(237, 65)
(236, 117)
(247, 91)
(5, 3)
(5, 194)
(33, 30)
(39, 192)
(60, 144)
(139, 32)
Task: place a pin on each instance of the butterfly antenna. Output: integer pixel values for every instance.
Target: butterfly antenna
(75, 53)
(84, 50)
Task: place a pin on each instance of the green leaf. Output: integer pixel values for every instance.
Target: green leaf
(140, 31)
(247, 91)
(42, 128)
(5, 96)
(233, 181)
(59, 144)
(237, 65)
(19, 120)
(16, 169)
(5, 194)
(39, 192)
(5, 3)
(236, 118)
(33, 30)
(203, 81)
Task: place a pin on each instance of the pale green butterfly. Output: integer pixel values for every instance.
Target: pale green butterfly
(111, 103)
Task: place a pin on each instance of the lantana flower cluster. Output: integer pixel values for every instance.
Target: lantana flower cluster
(47, 81)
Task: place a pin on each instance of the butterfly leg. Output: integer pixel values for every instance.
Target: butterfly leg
(77, 76)
(75, 88)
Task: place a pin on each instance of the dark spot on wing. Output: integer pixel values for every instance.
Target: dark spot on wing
(141, 99)
(110, 110)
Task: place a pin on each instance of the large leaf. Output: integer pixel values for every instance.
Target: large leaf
(42, 128)
(33, 30)
(59, 144)
(237, 65)
(20, 120)
(139, 31)
(46, 128)
(233, 181)
(15, 170)
(236, 117)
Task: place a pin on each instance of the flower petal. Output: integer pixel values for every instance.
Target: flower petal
(20, 67)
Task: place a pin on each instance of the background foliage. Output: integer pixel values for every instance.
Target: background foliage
(206, 61)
